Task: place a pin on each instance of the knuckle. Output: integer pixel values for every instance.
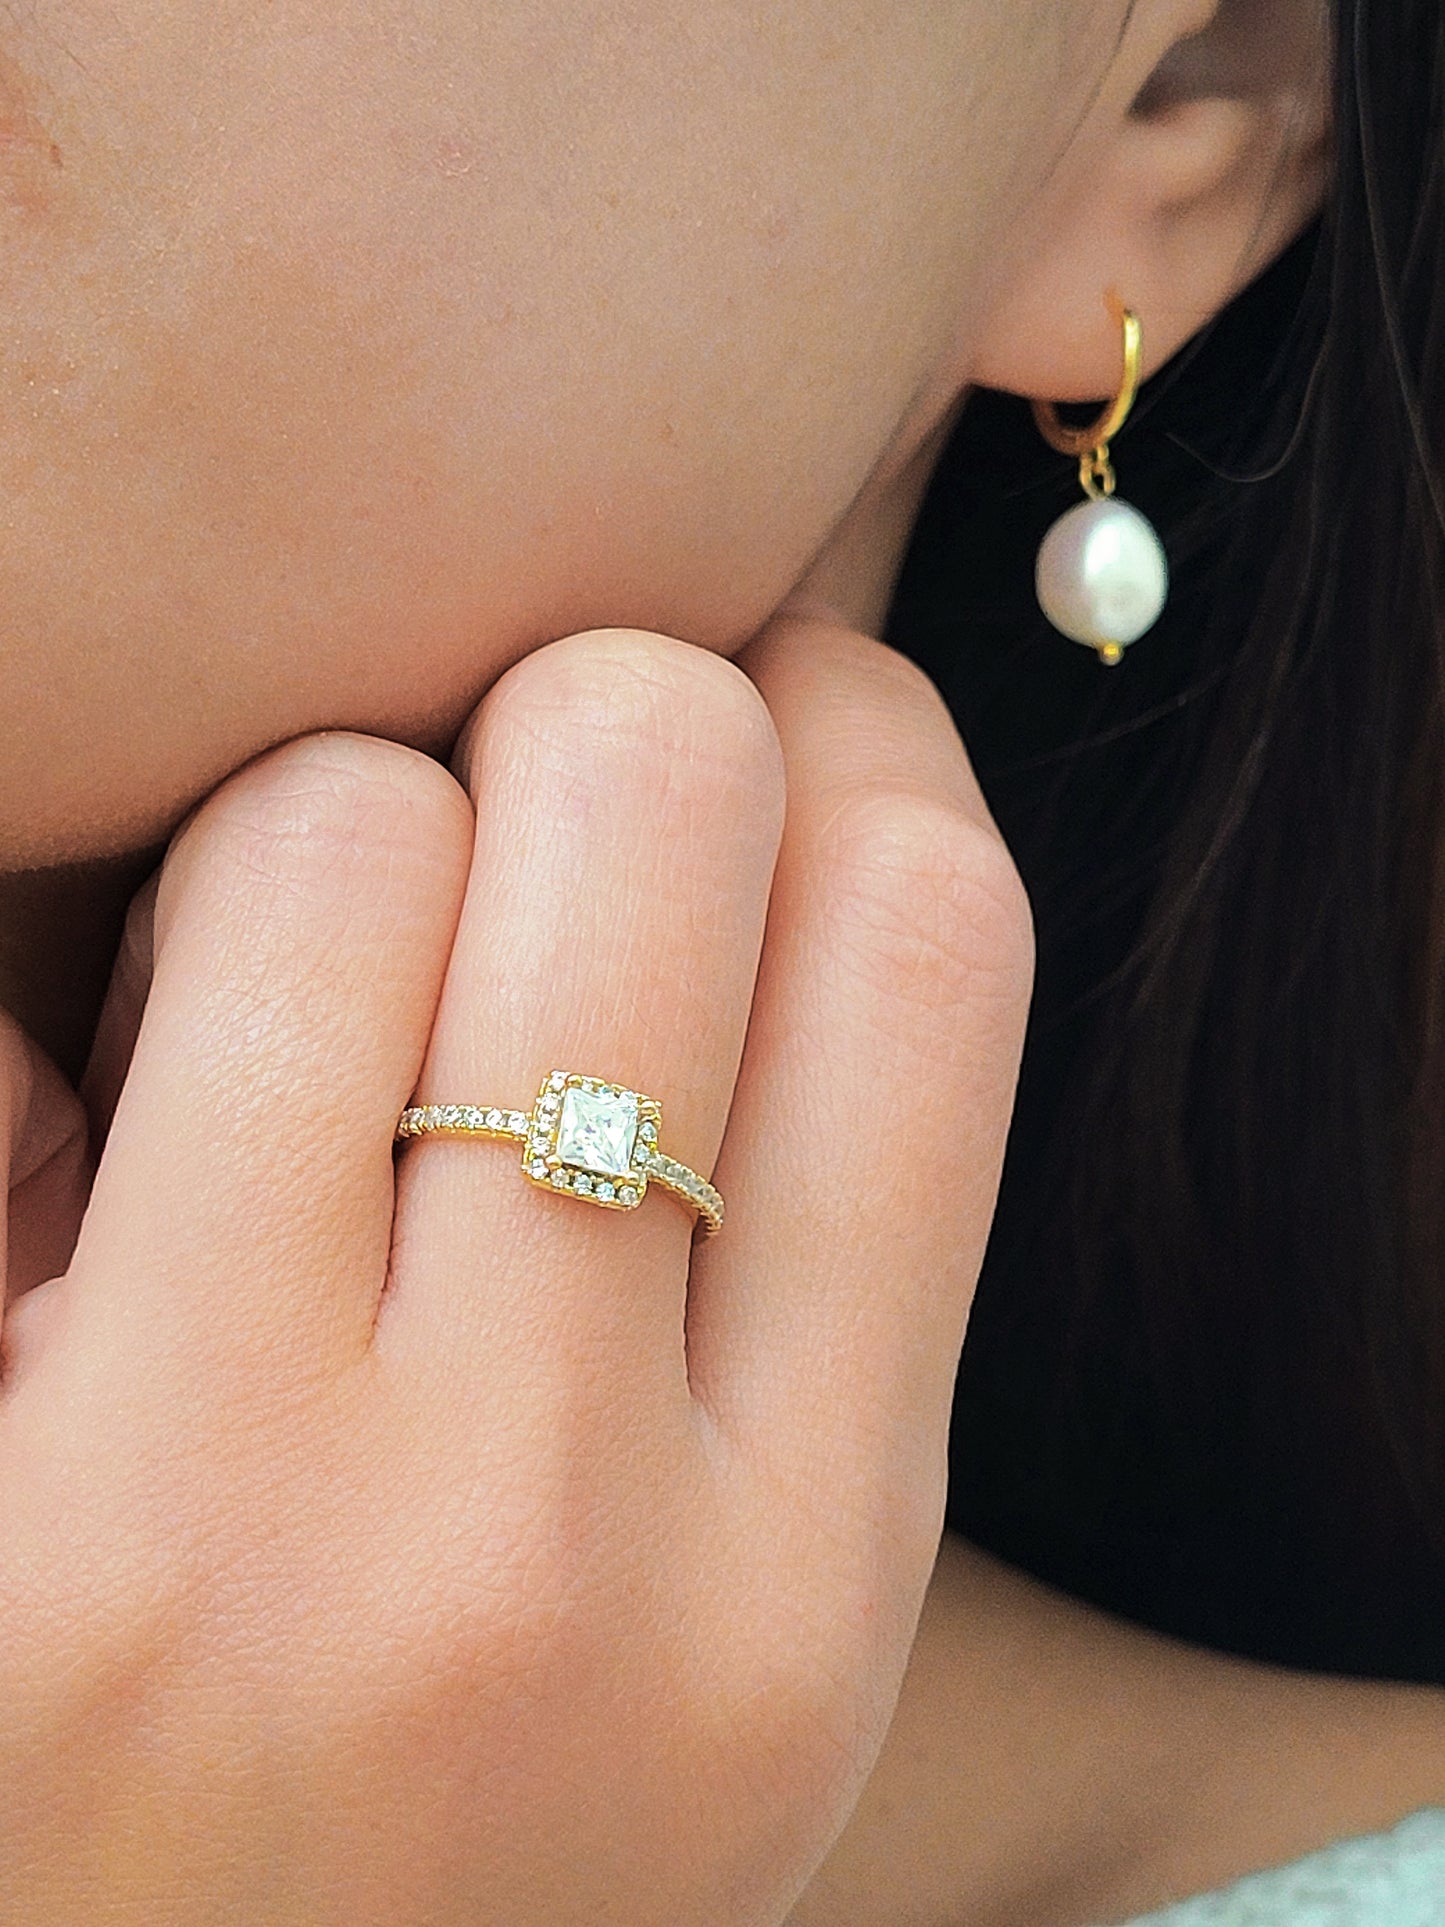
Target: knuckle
(934, 909)
(635, 698)
(328, 804)
(900, 684)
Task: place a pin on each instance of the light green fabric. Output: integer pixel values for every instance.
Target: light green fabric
(1388, 1880)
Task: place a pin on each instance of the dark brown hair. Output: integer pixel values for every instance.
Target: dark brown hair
(1206, 1381)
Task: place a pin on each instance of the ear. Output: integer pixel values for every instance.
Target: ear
(1205, 153)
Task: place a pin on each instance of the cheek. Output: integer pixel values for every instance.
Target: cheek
(360, 361)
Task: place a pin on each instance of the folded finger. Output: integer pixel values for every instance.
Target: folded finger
(121, 1013)
(302, 924)
(628, 794)
(44, 1146)
(869, 1124)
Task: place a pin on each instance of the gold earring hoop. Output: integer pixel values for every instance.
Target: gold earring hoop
(1102, 574)
(1091, 444)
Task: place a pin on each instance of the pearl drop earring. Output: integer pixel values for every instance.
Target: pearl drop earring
(1102, 576)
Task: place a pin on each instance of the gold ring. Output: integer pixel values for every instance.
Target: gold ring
(585, 1138)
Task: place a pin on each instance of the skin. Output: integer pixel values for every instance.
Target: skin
(350, 360)
(474, 1541)
(350, 357)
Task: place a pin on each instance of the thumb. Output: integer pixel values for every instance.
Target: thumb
(120, 1016)
(46, 1146)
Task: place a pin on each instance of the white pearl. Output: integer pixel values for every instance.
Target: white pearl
(1103, 577)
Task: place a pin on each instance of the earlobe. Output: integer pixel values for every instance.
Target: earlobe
(1179, 201)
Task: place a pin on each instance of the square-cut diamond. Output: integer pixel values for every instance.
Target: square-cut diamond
(597, 1131)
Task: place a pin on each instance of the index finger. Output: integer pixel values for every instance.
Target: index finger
(302, 926)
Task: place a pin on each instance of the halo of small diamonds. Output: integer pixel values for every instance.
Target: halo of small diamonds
(591, 1138)
(584, 1137)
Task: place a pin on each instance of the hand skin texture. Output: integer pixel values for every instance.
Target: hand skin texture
(439, 1551)
(512, 1563)
(577, 1583)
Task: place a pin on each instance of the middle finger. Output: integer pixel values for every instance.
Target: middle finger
(629, 796)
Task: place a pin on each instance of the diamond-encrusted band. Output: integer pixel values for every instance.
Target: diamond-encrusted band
(585, 1137)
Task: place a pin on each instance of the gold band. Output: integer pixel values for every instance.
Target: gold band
(584, 1137)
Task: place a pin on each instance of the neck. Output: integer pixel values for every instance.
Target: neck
(59, 930)
(853, 579)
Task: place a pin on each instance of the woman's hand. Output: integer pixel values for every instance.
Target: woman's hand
(435, 1550)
